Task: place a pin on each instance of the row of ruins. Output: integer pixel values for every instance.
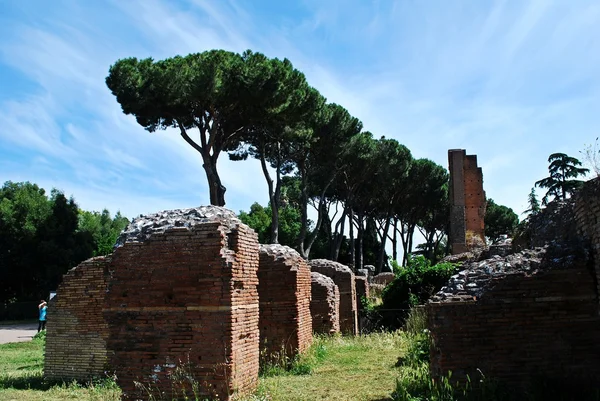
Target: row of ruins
(194, 289)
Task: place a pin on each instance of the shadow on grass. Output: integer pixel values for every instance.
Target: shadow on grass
(36, 381)
(27, 381)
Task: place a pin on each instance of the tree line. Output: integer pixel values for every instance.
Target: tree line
(43, 235)
(313, 153)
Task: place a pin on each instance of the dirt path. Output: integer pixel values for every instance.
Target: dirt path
(12, 333)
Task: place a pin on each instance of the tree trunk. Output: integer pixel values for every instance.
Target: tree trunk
(273, 198)
(216, 189)
(359, 245)
(352, 244)
(381, 255)
(395, 241)
(339, 235)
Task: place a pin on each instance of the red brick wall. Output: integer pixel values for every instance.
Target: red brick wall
(474, 197)
(587, 217)
(186, 297)
(362, 289)
(383, 278)
(284, 291)
(76, 331)
(343, 277)
(467, 199)
(325, 304)
(524, 326)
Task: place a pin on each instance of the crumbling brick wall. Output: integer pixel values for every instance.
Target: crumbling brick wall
(383, 278)
(183, 295)
(77, 332)
(362, 289)
(587, 218)
(518, 318)
(284, 290)
(343, 277)
(467, 199)
(325, 304)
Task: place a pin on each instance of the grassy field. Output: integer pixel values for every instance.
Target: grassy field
(336, 368)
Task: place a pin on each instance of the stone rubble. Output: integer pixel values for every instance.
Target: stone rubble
(142, 227)
(476, 276)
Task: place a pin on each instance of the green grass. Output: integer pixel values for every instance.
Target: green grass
(334, 368)
(21, 378)
(353, 368)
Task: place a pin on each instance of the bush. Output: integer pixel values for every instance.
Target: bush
(413, 285)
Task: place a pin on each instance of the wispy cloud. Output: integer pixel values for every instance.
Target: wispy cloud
(509, 81)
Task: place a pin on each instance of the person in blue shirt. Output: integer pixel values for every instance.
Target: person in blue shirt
(43, 307)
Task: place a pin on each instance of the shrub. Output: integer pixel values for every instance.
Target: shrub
(413, 285)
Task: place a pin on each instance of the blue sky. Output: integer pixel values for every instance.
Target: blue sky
(510, 81)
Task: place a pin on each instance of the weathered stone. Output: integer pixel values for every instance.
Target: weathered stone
(383, 278)
(325, 304)
(180, 290)
(344, 278)
(284, 290)
(76, 338)
(502, 247)
(467, 200)
(533, 314)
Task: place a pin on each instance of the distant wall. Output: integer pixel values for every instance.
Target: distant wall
(528, 315)
(284, 291)
(467, 199)
(76, 333)
(343, 277)
(526, 326)
(325, 304)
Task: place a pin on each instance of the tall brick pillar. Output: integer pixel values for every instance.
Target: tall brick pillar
(467, 199)
(183, 297)
(343, 277)
(284, 291)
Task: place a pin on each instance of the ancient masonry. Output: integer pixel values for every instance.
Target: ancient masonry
(181, 298)
(362, 289)
(529, 315)
(284, 291)
(343, 277)
(325, 304)
(383, 278)
(76, 339)
(467, 199)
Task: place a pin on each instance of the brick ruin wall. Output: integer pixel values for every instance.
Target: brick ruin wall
(362, 289)
(180, 294)
(343, 277)
(186, 297)
(587, 218)
(77, 334)
(324, 305)
(528, 315)
(467, 199)
(284, 290)
(544, 324)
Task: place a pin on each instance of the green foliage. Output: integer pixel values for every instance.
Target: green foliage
(280, 364)
(228, 97)
(42, 237)
(562, 182)
(39, 240)
(413, 285)
(259, 219)
(499, 220)
(103, 229)
(533, 203)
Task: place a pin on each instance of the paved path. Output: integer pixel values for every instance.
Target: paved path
(12, 333)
